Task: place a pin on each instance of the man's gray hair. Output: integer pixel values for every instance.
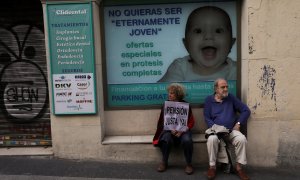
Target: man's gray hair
(216, 83)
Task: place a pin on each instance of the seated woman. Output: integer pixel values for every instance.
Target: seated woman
(174, 127)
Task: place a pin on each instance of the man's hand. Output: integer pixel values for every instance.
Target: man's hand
(237, 127)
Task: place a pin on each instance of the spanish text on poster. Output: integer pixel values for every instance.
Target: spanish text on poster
(176, 115)
(72, 58)
(141, 43)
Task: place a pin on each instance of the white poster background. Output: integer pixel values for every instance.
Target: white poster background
(168, 40)
(176, 115)
(73, 93)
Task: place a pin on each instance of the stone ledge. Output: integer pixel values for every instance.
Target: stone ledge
(144, 139)
(26, 151)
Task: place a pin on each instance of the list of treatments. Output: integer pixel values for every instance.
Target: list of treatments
(72, 58)
(70, 30)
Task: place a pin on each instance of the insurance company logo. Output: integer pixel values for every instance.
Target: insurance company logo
(84, 101)
(82, 77)
(83, 85)
(62, 79)
(84, 93)
(63, 85)
(74, 107)
(63, 94)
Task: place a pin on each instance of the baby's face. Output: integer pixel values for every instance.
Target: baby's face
(208, 39)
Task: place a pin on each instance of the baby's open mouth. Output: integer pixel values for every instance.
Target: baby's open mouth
(209, 52)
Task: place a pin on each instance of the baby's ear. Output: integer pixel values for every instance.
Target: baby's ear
(184, 43)
(233, 41)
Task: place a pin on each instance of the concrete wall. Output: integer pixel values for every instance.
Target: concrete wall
(270, 80)
(273, 38)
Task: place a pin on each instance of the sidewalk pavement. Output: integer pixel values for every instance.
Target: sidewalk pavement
(52, 168)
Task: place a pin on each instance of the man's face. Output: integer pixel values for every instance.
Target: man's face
(222, 89)
(209, 39)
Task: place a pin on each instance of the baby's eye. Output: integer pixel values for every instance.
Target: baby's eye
(198, 31)
(219, 30)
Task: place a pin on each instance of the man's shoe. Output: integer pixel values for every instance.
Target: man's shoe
(211, 173)
(162, 167)
(189, 170)
(242, 174)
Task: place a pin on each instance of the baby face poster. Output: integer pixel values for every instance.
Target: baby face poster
(148, 46)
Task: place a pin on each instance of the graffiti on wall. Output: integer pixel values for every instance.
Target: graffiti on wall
(267, 83)
(24, 100)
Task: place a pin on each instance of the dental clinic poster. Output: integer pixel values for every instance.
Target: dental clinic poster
(70, 29)
(141, 41)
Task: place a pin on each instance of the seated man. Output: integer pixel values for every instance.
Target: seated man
(221, 109)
